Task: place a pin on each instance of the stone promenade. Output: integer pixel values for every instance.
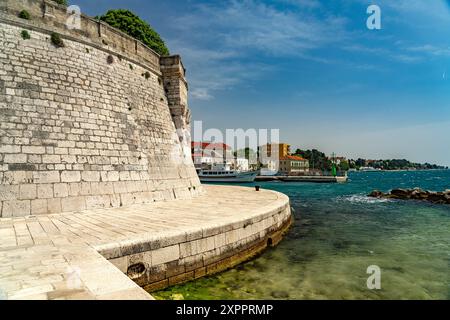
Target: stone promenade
(65, 256)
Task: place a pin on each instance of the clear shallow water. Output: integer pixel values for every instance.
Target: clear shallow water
(338, 232)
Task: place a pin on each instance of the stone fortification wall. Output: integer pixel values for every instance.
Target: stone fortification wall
(91, 124)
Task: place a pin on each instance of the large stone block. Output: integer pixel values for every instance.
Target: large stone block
(16, 208)
(46, 176)
(33, 149)
(70, 176)
(54, 205)
(10, 149)
(9, 192)
(15, 158)
(51, 158)
(98, 202)
(73, 204)
(61, 190)
(28, 191)
(45, 191)
(90, 176)
(39, 206)
(164, 255)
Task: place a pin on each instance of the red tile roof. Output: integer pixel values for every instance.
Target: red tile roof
(198, 155)
(209, 145)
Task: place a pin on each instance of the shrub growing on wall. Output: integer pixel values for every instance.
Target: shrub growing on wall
(24, 14)
(135, 27)
(63, 2)
(56, 40)
(25, 35)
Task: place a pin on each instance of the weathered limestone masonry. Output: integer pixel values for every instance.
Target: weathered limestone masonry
(91, 135)
(176, 88)
(157, 244)
(89, 125)
(161, 260)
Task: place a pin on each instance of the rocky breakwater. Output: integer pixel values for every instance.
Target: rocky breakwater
(414, 194)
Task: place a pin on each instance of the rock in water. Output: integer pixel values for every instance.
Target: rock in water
(401, 193)
(447, 197)
(376, 194)
(414, 194)
(419, 194)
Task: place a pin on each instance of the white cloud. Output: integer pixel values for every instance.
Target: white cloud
(309, 4)
(435, 9)
(431, 49)
(201, 94)
(257, 26)
(222, 43)
(395, 54)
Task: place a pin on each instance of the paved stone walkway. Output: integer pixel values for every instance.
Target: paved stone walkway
(57, 256)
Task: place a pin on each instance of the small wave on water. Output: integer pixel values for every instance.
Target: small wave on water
(360, 198)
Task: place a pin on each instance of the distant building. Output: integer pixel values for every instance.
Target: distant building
(269, 167)
(269, 157)
(276, 158)
(293, 164)
(339, 160)
(275, 150)
(241, 164)
(199, 160)
(213, 155)
(208, 153)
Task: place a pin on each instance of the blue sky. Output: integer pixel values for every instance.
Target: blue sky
(312, 69)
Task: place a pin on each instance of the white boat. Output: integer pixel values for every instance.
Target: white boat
(368, 169)
(222, 172)
(226, 175)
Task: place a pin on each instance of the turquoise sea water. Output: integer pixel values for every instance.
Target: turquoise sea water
(339, 232)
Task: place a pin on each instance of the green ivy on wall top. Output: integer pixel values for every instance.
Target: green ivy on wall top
(63, 2)
(135, 27)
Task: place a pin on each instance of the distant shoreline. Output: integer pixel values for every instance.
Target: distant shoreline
(402, 170)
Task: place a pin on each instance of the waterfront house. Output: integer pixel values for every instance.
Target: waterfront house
(275, 150)
(210, 153)
(241, 164)
(270, 155)
(291, 165)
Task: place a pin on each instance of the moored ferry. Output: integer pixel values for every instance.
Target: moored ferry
(223, 173)
(226, 176)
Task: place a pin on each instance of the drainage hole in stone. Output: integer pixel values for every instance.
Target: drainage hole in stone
(136, 270)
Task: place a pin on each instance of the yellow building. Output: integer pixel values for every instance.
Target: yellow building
(293, 164)
(277, 158)
(272, 149)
